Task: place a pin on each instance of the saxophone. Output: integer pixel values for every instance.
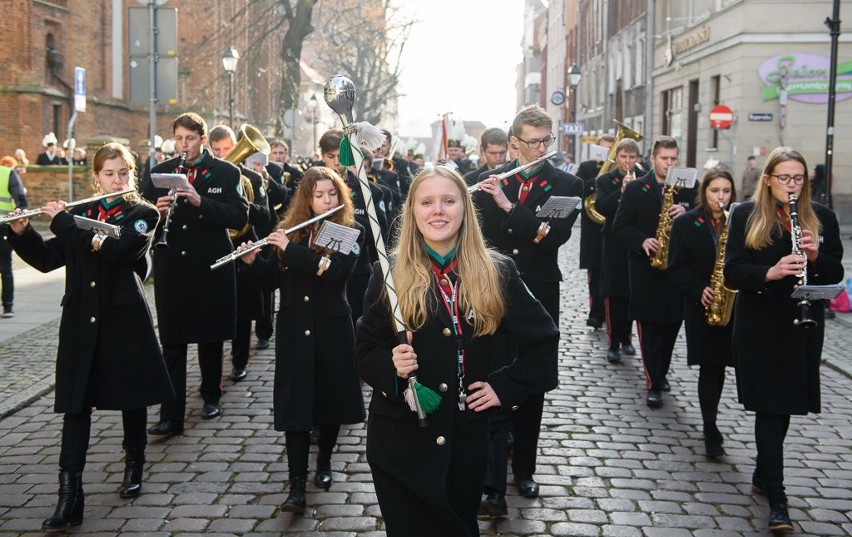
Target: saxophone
(718, 313)
(660, 259)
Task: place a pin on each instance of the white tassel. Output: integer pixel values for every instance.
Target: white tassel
(371, 137)
(408, 394)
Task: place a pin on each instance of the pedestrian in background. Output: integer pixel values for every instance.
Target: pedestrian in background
(13, 196)
(108, 355)
(777, 360)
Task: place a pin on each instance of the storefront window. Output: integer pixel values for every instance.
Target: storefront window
(674, 114)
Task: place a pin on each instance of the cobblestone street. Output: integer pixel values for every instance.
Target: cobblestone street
(608, 464)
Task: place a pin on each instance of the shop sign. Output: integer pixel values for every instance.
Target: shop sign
(804, 77)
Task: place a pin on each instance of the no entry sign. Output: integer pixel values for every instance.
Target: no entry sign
(721, 117)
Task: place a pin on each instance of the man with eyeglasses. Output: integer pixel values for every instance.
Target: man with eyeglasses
(656, 302)
(508, 208)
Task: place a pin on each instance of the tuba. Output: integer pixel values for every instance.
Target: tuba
(718, 313)
(251, 141)
(589, 201)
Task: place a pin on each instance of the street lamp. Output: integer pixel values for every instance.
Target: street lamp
(574, 77)
(229, 61)
(313, 108)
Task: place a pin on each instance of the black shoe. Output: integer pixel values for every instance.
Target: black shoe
(323, 478)
(9, 312)
(628, 349)
(262, 344)
(210, 410)
(238, 374)
(654, 400)
(134, 464)
(295, 502)
(166, 428)
(666, 387)
(527, 488)
(494, 506)
(594, 323)
(69, 508)
(779, 519)
(713, 442)
(613, 356)
(829, 313)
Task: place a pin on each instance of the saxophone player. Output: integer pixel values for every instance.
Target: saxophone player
(693, 258)
(778, 362)
(655, 302)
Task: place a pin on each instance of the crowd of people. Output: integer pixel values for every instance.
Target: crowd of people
(454, 324)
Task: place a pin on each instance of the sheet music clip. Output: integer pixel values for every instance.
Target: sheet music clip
(682, 177)
(97, 226)
(818, 292)
(559, 207)
(170, 180)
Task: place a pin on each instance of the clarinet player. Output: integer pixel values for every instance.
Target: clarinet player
(777, 361)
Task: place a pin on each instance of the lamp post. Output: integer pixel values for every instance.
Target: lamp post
(574, 76)
(313, 108)
(229, 61)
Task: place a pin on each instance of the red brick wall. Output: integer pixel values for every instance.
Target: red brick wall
(50, 183)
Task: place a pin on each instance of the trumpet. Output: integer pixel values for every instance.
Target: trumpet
(236, 254)
(35, 212)
(163, 243)
(513, 171)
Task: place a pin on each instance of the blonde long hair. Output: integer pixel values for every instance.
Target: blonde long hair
(764, 219)
(300, 208)
(478, 272)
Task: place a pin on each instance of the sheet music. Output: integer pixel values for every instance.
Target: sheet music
(559, 207)
(598, 152)
(682, 177)
(169, 180)
(818, 292)
(97, 226)
(336, 237)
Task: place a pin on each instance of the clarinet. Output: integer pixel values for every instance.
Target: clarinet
(163, 243)
(804, 320)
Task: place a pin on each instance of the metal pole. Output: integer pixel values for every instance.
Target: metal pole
(71, 146)
(576, 140)
(834, 26)
(231, 99)
(648, 128)
(152, 69)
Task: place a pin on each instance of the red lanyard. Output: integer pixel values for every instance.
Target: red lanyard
(524, 189)
(451, 303)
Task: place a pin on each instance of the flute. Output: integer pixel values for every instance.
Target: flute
(233, 256)
(513, 171)
(35, 212)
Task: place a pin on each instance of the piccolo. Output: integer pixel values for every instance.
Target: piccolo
(35, 212)
(513, 171)
(233, 256)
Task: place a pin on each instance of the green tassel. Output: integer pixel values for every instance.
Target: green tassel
(345, 158)
(429, 400)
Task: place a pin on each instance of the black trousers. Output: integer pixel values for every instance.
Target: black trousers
(657, 341)
(6, 278)
(711, 381)
(265, 326)
(770, 430)
(617, 320)
(299, 444)
(597, 309)
(499, 426)
(210, 363)
(76, 429)
(241, 343)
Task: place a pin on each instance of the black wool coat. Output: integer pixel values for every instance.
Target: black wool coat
(249, 297)
(653, 295)
(692, 257)
(316, 382)
(591, 237)
(512, 233)
(194, 303)
(362, 217)
(777, 362)
(429, 480)
(108, 355)
(615, 280)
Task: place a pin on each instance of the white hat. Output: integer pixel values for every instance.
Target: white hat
(168, 146)
(158, 141)
(48, 139)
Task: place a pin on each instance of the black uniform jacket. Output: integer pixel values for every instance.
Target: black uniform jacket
(108, 355)
(315, 378)
(653, 295)
(614, 274)
(196, 304)
(471, 178)
(249, 297)
(777, 362)
(414, 467)
(512, 233)
(362, 218)
(692, 257)
(591, 240)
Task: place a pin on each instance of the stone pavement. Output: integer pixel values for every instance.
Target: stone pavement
(609, 465)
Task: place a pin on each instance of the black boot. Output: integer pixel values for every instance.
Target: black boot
(295, 502)
(69, 508)
(134, 463)
(323, 478)
(713, 440)
(779, 519)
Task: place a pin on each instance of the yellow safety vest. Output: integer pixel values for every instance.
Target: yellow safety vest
(7, 204)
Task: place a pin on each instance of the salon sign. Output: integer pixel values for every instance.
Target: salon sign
(804, 76)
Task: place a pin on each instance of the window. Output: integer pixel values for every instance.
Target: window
(674, 114)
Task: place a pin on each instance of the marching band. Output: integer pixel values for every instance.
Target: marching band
(472, 278)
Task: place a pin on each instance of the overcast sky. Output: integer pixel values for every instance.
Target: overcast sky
(460, 40)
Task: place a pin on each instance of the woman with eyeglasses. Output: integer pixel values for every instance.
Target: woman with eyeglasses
(777, 361)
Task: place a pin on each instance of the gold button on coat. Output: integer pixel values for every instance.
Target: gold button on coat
(92, 284)
(183, 226)
(515, 251)
(92, 320)
(307, 298)
(444, 282)
(440, 440)
(447, 332)
(307, 332)
(442, 387)
(509, 231)
(183, 253)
